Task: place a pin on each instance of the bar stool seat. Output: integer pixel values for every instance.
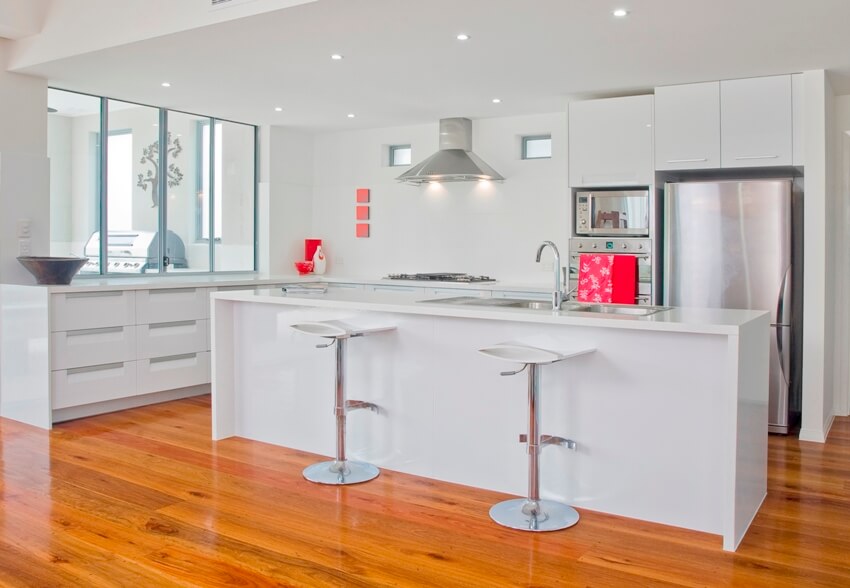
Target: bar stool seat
(532, 513)
(340, 470)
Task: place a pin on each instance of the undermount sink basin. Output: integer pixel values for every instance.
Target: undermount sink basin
(621, 309)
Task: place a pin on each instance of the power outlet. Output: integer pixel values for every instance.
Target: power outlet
(24, 247)
(339, 261)
(24, 228)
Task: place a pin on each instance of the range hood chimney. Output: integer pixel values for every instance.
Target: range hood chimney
(455, 161)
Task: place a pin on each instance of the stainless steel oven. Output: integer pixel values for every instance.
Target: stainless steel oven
(639, 248)
(612, 213)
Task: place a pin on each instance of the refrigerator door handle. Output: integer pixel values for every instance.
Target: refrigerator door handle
(780, 301)
(782, 350)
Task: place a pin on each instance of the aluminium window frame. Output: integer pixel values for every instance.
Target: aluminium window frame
(527, 138)
(101, 167)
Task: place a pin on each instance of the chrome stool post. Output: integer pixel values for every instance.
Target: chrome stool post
(533, 513)
(340, 470)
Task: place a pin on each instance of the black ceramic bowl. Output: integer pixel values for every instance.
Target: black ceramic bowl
(53, 270)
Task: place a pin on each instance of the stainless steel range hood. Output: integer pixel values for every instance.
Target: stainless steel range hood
(455, 161)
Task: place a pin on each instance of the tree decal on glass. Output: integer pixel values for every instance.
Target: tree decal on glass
(150, 154)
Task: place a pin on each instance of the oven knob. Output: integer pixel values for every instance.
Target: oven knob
(580, 245)
(594, 245)
(583, 221)
(625, 246)
(640, 245)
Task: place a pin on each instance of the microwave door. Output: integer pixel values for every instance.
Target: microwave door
(623, 213)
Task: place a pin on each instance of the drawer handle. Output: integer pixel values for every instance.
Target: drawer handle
(94, 294)
(696, 159)
(757, 157)
(96, 368)
(85, 332)
(172, 325)
(172, 291)
(173, 358)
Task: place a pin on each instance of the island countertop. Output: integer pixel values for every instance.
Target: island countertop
(683, 320)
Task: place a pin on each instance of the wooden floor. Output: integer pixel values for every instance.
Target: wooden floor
(144, 498)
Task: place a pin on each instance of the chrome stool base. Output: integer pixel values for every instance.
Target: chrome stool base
(340, 473)
(519, 514)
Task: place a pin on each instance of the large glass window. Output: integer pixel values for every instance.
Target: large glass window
(73, 146)
(156, 179)
(233, 196)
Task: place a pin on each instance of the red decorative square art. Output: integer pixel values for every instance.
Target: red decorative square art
(362, 194)
(362, 230)
(362, 212)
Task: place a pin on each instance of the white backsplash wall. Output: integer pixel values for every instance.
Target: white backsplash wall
(479, 228)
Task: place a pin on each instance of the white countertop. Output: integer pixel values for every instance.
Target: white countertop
(686, 320)
(149, 282)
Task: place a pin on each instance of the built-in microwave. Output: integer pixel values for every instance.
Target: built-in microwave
(612, 213)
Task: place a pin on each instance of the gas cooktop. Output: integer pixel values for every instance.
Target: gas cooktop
(441, 277)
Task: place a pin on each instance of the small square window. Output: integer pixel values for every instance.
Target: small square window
(400, 155)
(537, 147)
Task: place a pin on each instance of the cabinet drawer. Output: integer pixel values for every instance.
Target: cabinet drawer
(70, 349)
(175, 371)
(164, 339)
(166, 305)
(85, 385)
(72, 311)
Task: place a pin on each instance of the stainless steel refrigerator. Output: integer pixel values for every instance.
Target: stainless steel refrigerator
(735, 244)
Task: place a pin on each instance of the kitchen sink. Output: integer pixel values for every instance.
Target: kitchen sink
(621, 309)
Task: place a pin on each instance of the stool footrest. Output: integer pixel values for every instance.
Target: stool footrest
(551, 440)
(356, 404)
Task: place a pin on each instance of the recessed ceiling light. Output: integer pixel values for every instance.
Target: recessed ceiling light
(462, 37)
(497, 100)
(336, 56)
(620, 13)
(278, 109)
(350, 115)
(166, 84)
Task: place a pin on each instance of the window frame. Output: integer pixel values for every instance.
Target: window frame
(100, 208)
(392, 151)
(528, 138)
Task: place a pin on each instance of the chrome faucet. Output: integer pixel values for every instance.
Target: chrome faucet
(558, 295)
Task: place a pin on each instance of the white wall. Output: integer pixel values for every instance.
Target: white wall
(841, 218)
(818, 345)
(286, 197)
(479, 228)
(24, 168)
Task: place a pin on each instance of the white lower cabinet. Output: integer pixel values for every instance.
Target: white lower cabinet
(96, 383)
(164, 339)
(107, 347)
(86, 347)
(174, 371)
(91, 310)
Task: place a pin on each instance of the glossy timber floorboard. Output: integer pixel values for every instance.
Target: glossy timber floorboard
(143, 497)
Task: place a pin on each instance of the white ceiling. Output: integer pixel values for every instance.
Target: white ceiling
(403, 65)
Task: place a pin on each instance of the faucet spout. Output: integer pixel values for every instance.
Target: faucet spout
(558, 294)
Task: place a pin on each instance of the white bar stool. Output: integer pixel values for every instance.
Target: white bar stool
(532, 513)
(340, 470)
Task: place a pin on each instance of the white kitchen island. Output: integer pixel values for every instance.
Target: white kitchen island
(669, 413)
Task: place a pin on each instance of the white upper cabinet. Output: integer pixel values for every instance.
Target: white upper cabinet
(756, 122)
(610, 142)
(687, 126)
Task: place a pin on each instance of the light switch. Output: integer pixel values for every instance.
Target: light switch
(24, 247)
(24, 227)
